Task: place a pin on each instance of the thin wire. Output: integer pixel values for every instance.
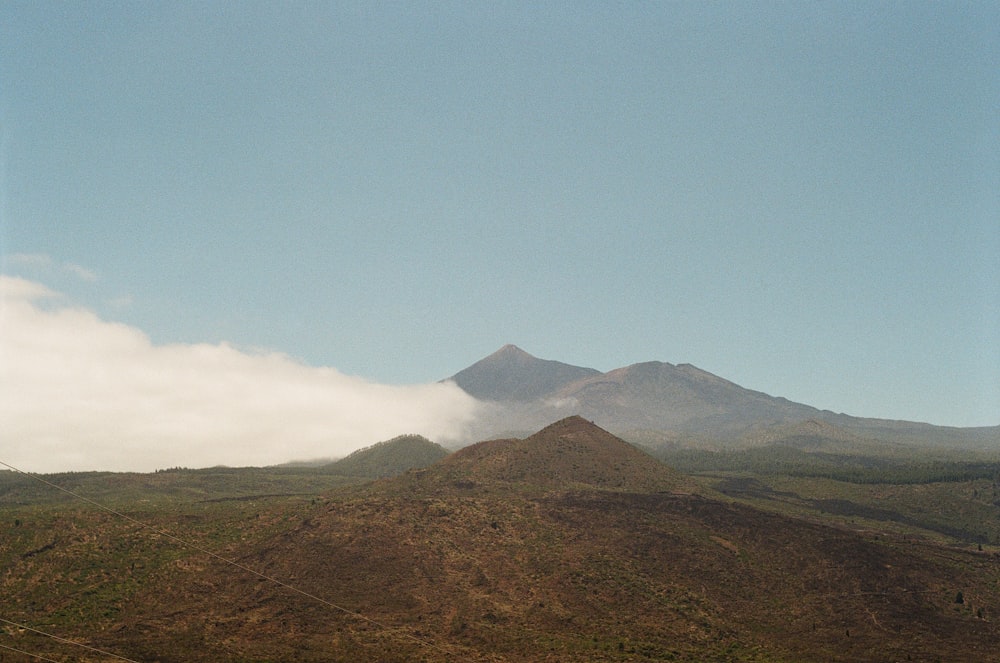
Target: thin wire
(28, 653)
(247, 569)
(64, 640)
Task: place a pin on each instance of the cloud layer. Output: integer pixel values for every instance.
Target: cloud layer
(81, 393)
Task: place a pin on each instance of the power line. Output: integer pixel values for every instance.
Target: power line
(64, 640)
(230, 562)
(28, 653)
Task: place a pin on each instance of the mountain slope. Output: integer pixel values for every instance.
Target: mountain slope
(663, 396)
(511, 374)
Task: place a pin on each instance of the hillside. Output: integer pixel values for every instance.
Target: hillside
(389, 458)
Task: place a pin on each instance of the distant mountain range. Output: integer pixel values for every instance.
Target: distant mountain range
(657, 403)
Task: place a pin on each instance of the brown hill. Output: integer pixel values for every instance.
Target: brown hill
(571, 453)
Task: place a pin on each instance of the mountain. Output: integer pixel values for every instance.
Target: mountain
(664, 403)
(511, 374)
(390, 458)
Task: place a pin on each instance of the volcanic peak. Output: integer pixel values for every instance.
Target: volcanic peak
(511, 374)
(571, 453)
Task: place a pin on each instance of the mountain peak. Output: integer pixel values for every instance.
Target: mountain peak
(511, 350)
(511, 374)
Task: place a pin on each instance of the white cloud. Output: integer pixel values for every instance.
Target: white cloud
(119, 303)
(78, 392)
(41, 262)
(80, 272)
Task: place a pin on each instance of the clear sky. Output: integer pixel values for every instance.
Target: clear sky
(803, 198)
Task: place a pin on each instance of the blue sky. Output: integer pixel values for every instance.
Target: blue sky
(803, 198)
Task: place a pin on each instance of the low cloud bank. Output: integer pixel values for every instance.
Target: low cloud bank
(81, 393)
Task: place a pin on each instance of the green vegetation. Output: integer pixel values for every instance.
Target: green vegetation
(390, 458)
(175, 485)
(953, 497)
